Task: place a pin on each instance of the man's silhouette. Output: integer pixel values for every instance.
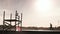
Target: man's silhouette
(50, 26)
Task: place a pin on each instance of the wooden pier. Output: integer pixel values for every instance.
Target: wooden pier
(8, 26)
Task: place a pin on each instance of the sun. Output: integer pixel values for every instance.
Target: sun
(43, 5)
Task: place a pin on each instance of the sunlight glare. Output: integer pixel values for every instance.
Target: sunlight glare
(43, 6)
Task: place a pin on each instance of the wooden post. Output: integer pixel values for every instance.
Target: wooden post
(15, 19)
(10, 19)
(18, 23)
(3, 20)
(21, 21)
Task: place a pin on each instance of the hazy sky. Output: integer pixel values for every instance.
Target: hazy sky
(38, 13)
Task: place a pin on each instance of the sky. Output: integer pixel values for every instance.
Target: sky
(38, 13)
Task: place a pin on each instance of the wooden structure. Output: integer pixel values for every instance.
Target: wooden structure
(7, 23)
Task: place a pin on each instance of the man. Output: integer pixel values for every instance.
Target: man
(50, 26)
